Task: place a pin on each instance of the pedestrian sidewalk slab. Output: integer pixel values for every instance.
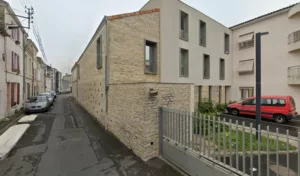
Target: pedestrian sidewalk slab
(10, 138)
(27, 119)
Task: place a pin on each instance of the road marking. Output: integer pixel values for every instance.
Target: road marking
(262, 121)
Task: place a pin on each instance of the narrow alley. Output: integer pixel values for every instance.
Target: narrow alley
(67, 141)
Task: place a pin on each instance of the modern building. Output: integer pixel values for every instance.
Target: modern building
(30, 56)
(170, 44)
(280, 54)
(11, 62)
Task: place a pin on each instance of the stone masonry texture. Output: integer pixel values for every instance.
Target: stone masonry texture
(127, 38)
(134, 117)
(132, 113)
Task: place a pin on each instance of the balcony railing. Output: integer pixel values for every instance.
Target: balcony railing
(294, 37)
(184, 35)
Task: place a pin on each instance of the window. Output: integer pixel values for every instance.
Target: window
(184, 23)
(222, 69)
(292, 101)
(206, 67)
(266, 102)
(202, 33)
(209, 92)
(226, 44)
(250, 102)
(150, 57)
(246, 41)
(278, 102)
(246, 92)
(99, 52)
(184, 63)
(15, 65)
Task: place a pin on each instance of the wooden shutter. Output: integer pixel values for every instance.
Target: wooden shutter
(18, 93)
(18, 63)
(12, 61)
(12, 95)
(18, 34)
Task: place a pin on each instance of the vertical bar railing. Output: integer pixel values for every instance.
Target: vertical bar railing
(214, 142)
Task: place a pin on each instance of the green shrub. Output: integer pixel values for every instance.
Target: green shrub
(220, 107)
(206, 106)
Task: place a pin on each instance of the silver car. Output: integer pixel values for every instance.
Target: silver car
(49, 96)
(37, 104)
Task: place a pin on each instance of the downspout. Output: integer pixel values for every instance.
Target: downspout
(5, 63)
(24, 46)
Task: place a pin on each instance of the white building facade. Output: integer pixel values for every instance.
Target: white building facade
(12, 59)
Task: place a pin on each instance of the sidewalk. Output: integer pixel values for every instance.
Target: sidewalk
(67, 141)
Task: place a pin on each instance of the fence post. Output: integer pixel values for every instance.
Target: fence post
(160, 131)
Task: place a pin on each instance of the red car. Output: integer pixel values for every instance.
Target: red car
(279, 108)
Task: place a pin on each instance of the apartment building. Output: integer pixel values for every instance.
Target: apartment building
(280, 54)
(58, 81)
(49, 78)
(12, 73)
(30, 56)
(194, 49)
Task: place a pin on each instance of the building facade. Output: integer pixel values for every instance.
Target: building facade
(204, 55)
(30, 56)
(12, 76)
(280, 54)
(40, 75)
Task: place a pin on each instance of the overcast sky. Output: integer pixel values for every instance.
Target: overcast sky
(66, 26)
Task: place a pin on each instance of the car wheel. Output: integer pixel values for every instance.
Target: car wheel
(280, 118)
(235, 112)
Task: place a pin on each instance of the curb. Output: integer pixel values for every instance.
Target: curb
(11, 123)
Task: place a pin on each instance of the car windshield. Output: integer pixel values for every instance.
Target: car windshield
(37, 99)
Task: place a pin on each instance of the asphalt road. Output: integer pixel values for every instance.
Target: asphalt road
(67, 141)
(292, 126)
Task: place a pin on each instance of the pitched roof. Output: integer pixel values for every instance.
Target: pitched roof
(113, 17)
(265, 15)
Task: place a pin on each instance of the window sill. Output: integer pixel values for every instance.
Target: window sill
(183, 76)
(151, 73)
(226, 52)
(206, 77)
(99, 67)
(202, 45)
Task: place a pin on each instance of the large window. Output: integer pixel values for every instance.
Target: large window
(15, 62)
(222, 69)
(150, 57)
(246, 92)
(99, 52)
(206, 66)
(226, 43)
(202, 33)
(184, 63)
(184, 23)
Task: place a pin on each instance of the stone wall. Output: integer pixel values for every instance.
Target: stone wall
(127, 38)
(133, 113)
(91, 80)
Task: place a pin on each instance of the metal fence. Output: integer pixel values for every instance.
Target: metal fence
(231, 145)
(294, 37)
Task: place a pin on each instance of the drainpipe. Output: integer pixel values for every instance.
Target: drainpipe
(24, 46)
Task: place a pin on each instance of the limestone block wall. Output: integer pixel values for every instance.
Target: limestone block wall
(126, 55)
(215, 93)
(134, 114)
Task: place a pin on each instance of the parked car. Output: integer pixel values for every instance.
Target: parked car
(49, 96)
(53, 93)
(279, 108)
(37, 104)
